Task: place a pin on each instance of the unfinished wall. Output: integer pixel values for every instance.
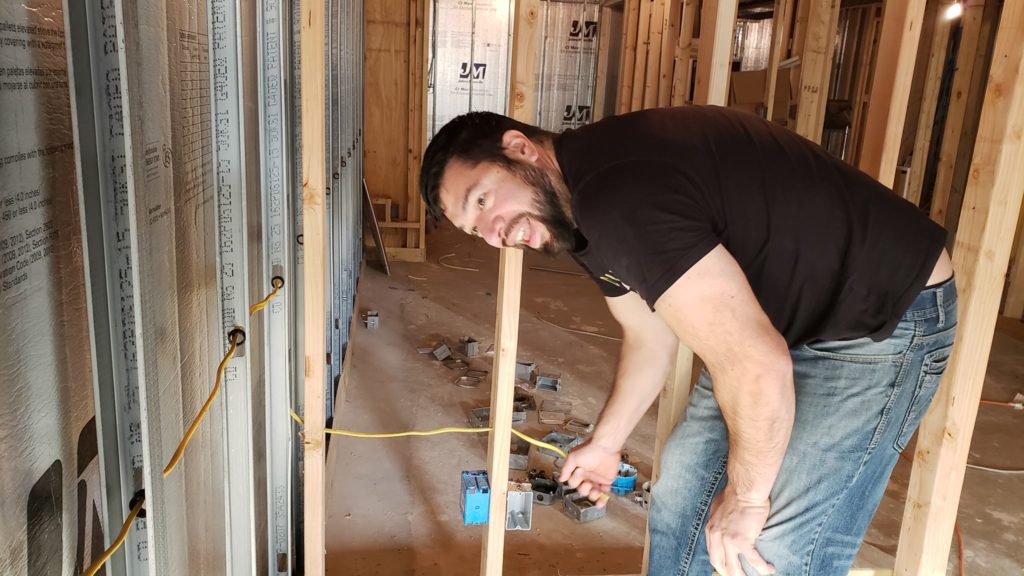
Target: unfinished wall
(50, 476)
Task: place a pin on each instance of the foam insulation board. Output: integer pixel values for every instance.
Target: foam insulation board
(51, 504)
(568, 64)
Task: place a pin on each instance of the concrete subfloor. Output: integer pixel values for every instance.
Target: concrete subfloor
(393, 504)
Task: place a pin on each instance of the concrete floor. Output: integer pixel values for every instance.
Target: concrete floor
(393, 505)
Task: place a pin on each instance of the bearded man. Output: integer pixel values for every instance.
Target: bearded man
(822, 305)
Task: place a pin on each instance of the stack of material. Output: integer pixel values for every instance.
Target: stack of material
(658, 54)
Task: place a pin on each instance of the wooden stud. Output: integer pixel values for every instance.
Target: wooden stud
(781, 17)
(682, 75)
(815, 68)
(669, 41)
(671, 407)
(630, 31)
(601, 75)
(525, 43)
(956, 112)
(416, 210)
(643, 43)
(652, 74)
(311, 38)
(1014, 307)
(872, 21)
(982, 252)
(717, 22)
(890, 89)
(972, 113)
(929, 103)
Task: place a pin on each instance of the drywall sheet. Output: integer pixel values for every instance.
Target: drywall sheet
(468, 59)
(51, 505)
(568, 64)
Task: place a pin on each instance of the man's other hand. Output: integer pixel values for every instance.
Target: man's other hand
(590, 469)
(732, 529)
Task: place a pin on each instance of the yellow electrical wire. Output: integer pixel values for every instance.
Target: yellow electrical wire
(295, 416)
(277, 283)
(233, 338)
(95, 567)
(206, 406)
(446, 430)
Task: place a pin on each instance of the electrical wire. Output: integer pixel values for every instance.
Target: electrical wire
(584, 333)
(277, 283)
(452, 266)
(235, 338)
(95, 567)
(996, 470)
(206, 406)
(1014, 405)
(959, 546)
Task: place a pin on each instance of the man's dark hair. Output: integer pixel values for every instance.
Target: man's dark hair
(472, 138)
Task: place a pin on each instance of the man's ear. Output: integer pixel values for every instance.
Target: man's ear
(518, 146)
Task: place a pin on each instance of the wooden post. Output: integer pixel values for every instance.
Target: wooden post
(652, 75)
(682, 75)
(815, 67)
(643, 43)
(523, 98)
(311, 38)
(671, 407)
(956, 112)
(1014, 307)
(601, 75)
(717, 21)
(416, 235)
(982, 251)
(630, 30)
(929, 102)
(781, 17)
(890, 89)
(669, 40)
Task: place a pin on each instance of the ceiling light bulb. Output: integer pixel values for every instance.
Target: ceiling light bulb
(954, 11)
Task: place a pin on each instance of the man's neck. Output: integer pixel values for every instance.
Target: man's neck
(549, 163)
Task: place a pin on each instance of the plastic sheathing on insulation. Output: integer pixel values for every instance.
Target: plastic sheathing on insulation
(49, 467)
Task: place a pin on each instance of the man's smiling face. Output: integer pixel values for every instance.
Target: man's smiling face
(512, 206)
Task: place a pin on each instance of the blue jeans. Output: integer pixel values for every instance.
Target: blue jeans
(858, 403)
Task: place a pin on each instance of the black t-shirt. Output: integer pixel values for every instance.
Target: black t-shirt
(830, 253)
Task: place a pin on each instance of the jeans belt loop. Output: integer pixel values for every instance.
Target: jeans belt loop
(942, 308)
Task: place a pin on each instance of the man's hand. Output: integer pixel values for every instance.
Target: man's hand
(590, 469)
(732, 529)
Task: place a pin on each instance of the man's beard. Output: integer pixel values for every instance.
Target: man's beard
(548, 210)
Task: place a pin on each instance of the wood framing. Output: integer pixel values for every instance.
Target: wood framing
(1014, 307)
(890, 89)
(311, 42)
(717, 22)
(682, 74)
(652, 75)
(972, 113)
(815, 67)
(929, 103)
(970, 34)
(982, 252)
(671, 407)
(643, 44)
(669, 40)
(523, 103)
(782, 15)
(630, 31)
(394, 81)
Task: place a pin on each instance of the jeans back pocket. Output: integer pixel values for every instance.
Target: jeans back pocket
(932, 369)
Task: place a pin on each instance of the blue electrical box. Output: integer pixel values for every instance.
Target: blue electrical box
(476, 497)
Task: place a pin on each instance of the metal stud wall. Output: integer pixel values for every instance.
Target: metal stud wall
(186, 154)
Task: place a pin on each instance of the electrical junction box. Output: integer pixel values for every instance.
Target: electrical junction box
(476, 497)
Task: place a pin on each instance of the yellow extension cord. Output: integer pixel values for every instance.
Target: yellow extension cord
(278, 283)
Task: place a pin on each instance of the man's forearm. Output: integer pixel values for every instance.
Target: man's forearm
(643, 367)
(759, 415)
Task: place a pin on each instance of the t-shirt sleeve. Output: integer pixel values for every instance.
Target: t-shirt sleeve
(649, 223)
